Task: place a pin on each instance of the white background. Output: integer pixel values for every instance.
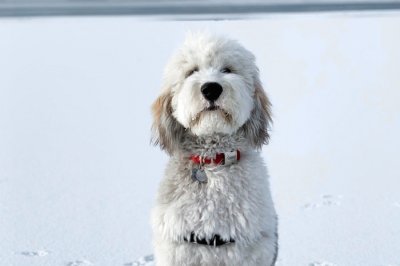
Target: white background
(77, 173)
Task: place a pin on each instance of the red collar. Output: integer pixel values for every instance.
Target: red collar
(220, 158)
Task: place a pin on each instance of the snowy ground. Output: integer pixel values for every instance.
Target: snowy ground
(78, 176)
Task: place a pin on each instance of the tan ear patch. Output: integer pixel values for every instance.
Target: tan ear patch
(167, 132)
(256, 129)
(163, 102)
(265, 104)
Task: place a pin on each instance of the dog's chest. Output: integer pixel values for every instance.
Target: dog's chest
(229, 202)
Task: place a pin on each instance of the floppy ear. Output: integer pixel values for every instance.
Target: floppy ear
(167, 132)
(257, 127)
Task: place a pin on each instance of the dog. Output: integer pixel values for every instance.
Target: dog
(214, 206)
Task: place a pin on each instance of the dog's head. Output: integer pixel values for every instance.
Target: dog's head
(211, 86)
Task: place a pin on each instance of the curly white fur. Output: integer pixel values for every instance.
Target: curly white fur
(235, 203)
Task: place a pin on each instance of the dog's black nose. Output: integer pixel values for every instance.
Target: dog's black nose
(211, 91)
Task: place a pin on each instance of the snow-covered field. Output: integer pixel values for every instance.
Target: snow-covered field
(78, 176)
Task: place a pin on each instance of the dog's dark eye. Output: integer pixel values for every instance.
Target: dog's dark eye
(226, 70)
(190, 72)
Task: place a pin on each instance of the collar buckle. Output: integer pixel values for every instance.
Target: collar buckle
(231, 157)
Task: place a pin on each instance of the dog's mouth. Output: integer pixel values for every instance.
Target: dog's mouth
(212, 108)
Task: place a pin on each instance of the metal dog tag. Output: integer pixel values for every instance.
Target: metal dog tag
(199, 175)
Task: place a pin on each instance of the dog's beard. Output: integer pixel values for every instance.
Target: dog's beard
(206, 111)
(212, 120)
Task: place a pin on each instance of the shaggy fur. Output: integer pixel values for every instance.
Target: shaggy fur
(235, 203)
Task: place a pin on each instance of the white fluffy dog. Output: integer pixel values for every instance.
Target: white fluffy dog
(214, 205)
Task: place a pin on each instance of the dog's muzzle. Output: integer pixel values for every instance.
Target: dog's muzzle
(215, 241)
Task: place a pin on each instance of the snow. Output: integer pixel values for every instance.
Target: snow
(78, 176)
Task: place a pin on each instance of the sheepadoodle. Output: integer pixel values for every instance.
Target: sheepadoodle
(214, 206)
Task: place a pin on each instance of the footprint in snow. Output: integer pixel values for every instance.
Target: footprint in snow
(321, 263)
(80, 263)
(143, 261)
(323, 201)
(38, 253)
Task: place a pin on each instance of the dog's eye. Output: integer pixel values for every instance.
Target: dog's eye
(190, 72)
(226, 70)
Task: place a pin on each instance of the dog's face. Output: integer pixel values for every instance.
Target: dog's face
(214, 90)
(211, 86)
